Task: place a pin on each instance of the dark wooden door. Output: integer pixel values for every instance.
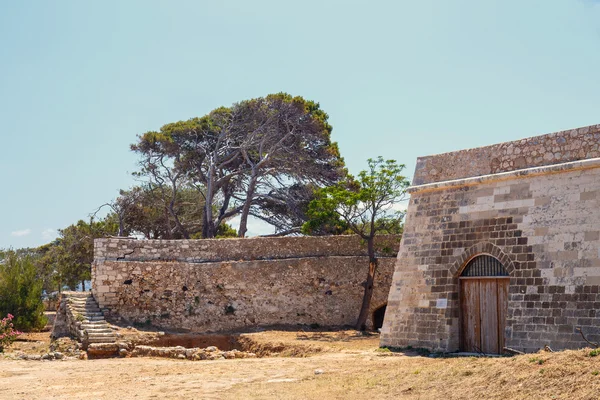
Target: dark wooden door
(484, 303)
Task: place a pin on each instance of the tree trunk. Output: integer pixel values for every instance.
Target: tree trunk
(246, 210)
(83, 285)
(208, 230)
(167, 223)
(366, 303)
(121, 227)
(224, 207)
(171, 207)
(178, 224)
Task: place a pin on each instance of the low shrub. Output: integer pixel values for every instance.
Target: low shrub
(8, 333)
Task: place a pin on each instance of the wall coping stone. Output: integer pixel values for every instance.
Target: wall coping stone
(240, 249)
(511, 175)
(553, 148)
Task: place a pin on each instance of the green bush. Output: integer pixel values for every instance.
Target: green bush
(8, 334)
(21, 292)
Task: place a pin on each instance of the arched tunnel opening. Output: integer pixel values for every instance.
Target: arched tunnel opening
(378, 315)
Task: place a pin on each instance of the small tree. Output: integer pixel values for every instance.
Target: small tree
(67, 260)
(21, 292)
(365, 205)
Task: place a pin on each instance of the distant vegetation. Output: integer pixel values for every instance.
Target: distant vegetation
(20, 292)
(270, 158)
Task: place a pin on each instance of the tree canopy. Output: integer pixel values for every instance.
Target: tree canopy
(67, 260)
(241, 159)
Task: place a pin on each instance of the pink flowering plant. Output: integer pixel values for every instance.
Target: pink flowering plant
(7, 332)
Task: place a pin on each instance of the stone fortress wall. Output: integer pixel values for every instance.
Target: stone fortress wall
(234, 284)
(537, 151)
(534, 204)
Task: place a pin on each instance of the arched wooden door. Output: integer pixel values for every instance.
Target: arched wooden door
(483, 305)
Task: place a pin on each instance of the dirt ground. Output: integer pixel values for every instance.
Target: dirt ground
(325, 365)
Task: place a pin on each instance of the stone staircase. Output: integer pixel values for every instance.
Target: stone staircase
(79, 316)
(92, 324)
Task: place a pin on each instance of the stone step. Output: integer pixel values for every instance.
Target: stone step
(92, 317)
(92, 320)
(84, 306)
(84, 303)
(85, 296)
(101, 334)
(92, 325)
(95, 308)
(101, 340)
(96, 322)
(96, 327)
(94, 331)
(90, 313)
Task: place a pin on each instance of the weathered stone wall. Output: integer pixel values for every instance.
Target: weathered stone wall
(554, 148)
(66, 322)
(542, 223)
(249, 249)
(233, 284)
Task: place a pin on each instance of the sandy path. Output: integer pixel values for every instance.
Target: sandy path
(149, 378)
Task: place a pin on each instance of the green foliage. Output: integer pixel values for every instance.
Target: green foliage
(226, 231)
(383, 350)
(21, 292)
(154, 210)
(243, 159)
(594, 353)
(363, 205)
(67, 261)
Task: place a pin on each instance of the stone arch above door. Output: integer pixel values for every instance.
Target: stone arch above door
(481, 248)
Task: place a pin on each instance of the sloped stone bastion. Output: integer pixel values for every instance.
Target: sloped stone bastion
(501, 248)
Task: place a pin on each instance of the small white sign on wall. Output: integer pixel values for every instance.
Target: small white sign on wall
(442, 303)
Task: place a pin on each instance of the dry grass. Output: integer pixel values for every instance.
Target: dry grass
(564, 375)
(353, 368)
(31, 343)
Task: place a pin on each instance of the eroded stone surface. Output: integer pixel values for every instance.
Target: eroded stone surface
(194, 354)
(285, 286)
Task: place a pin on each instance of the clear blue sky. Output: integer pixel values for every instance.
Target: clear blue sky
(79, 80)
